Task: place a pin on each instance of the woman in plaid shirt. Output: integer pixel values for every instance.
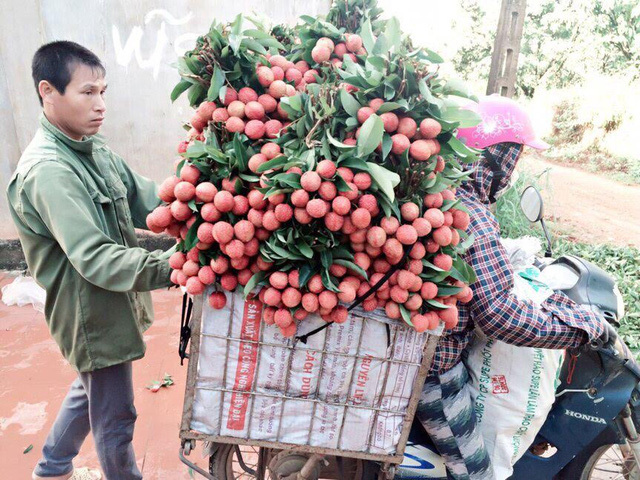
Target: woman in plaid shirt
(446, 409)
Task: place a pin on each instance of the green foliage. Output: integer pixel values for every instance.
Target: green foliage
(320, 117)
(562, 41)
(583, 138)
(226, 54)
(473, 58)
(618, 24)
(621, 262)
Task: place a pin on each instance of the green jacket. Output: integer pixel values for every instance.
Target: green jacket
(75, 205)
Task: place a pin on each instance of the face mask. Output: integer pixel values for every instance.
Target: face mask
(512, 181)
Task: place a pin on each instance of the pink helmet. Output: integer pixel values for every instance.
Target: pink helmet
(503, 120)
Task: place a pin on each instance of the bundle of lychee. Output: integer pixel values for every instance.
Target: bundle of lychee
(320, 173)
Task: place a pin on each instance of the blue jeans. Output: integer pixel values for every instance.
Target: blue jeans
(101, 402)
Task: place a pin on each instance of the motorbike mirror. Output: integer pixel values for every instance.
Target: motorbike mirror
(531, 204)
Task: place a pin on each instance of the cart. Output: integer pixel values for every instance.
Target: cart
(250, 454)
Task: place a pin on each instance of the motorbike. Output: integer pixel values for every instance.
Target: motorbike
(591, 431)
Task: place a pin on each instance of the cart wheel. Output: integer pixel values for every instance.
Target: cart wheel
(187, 447)
(288, 463)
(236, 462)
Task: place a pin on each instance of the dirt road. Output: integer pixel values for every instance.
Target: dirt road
(587, 207)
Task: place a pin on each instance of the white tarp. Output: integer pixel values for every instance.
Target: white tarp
(350, 372)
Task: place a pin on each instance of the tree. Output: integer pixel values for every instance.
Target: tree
(563, 40)
(618, 23)
(473, 58)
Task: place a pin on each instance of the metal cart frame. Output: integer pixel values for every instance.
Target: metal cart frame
(188, 437)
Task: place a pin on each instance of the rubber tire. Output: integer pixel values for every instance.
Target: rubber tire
(370, 470)
(218, 464)
(218, 461)
(581, 465)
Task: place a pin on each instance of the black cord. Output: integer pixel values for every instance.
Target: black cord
(407, 250)
(185, 329)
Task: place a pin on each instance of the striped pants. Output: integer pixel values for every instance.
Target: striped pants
(447, 414)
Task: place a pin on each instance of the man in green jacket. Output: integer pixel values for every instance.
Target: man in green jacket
(76, 204)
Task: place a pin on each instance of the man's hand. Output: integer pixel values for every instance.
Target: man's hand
(609, 336)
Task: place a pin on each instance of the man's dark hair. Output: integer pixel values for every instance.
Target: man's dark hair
(55, 62)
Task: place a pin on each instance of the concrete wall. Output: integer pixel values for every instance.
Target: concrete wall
(138, 41)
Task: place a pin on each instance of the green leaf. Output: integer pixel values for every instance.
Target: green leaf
(436, 304)
(354, 162)
(430, 265)
(449, 204)
(390, 208)
(254, 45)
(195, 95)
(445, 291)
(381, 46)
(337, 143)
(467, 242)
(366, 33)
(235, 38)
(217, 82)
(463, 152)
(191, 238)
(455, 114)
(327, 282)
(253, 282)
(179, 167)
(387, 144)
(192, 205)
(223, 93)
(295, 102)
(350, 104)
(304, 274)
(351, 266)
(326, 258)
(385, 179)
(427, 95)
(249, 178)
(340, 184)
(285, 254)
(240, 153)
(370, 135)
(406, 316)
(458, 88)
(179, 89)
(393, 34)
(273, 164)
(305, 249)
(196, 150)
(389, 106)
(28, 449)
(432, 56)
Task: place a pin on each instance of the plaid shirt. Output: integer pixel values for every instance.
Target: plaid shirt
(558, 323)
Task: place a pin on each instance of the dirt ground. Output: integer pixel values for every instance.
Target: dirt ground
(34, 378)
(588, 207)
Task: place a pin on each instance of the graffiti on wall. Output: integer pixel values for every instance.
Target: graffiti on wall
(155, 23)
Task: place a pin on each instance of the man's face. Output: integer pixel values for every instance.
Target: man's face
(80, 111)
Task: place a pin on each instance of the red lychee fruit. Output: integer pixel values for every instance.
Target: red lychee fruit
(362, 180)
(205, 192)
(420, 150)
(218, 300)
(400, 143)
(407, 235)
(430, 128)
(317, 208)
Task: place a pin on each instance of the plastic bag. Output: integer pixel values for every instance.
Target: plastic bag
(24, 291)
(513, 387)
